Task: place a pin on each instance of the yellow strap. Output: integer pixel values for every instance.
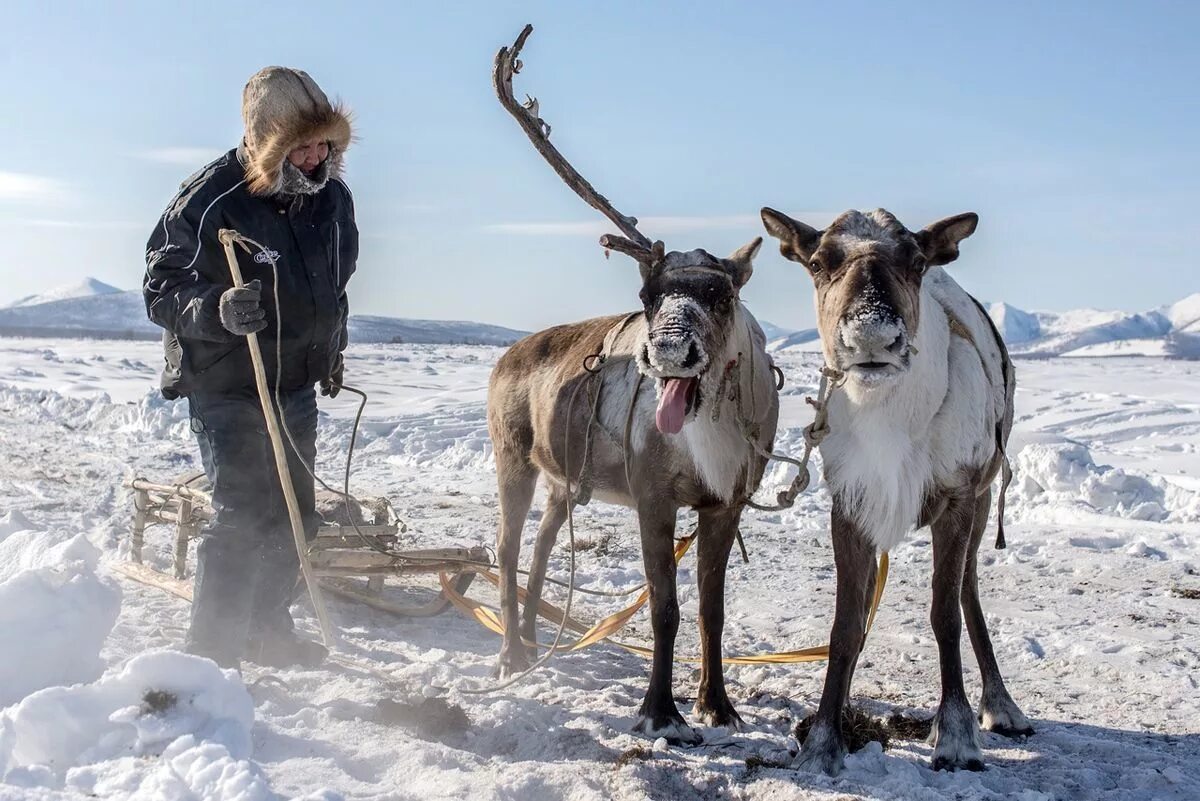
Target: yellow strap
(608, 626)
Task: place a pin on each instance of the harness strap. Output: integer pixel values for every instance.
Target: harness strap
(605, 628)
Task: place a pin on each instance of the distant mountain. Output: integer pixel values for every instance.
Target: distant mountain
(807, 339)
(1015, 325)
(105, 312)
(773, 331)
(113, 315)
(92, 308)
(1171, 331)
(366, 328)
(88, 287)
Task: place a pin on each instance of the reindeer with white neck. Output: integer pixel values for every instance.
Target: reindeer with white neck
(917, 435)
(672, 416)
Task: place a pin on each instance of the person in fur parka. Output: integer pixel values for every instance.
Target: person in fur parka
(281, 187)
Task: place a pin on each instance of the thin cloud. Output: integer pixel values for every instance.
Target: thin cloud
(182, 156)
(26, 188)
(653, 226)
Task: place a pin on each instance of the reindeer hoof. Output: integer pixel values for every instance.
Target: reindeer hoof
(823, 751)
(956, 739)
(1005, 718)
(511, 664)
(674, 729)
(949, 763)
(719, 715)
(828, 762)
(1009, 731)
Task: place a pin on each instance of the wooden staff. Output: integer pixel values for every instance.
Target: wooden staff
(228, 237)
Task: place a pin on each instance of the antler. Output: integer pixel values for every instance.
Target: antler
(633, 243)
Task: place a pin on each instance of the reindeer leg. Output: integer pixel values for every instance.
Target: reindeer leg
(824, 748)
(517, 479)
(552, 520)
(955, 731)
(997, 710)
(659, 717)
(715, 536)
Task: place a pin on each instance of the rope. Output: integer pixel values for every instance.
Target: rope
(814, 433)
(566, 613)
(228, 237)
(344, 493)
(606, 627)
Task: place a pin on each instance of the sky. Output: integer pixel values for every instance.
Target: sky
(1070, 127)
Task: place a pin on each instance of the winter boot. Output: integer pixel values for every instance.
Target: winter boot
(284, 649)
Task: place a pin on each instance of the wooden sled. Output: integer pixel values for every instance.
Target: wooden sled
(341, 556)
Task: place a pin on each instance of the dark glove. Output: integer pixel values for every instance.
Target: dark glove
(332, 385)
(241, 310)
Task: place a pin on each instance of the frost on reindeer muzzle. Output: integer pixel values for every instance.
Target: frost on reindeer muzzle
(675, 357)
(872, 346)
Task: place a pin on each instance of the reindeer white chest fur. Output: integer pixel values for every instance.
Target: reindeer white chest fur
(889, 445)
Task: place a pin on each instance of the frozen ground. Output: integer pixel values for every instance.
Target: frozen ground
(1093, 609)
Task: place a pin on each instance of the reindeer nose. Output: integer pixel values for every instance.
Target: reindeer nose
(874, 336)
(675, 350)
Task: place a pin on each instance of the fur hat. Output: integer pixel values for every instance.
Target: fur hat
(283, 108)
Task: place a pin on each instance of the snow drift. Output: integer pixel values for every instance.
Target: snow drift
(54, 610)
(164, 726)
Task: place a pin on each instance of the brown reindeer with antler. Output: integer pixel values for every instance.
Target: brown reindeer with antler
(656, 410)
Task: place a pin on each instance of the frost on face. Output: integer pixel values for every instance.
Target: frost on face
(675, 347)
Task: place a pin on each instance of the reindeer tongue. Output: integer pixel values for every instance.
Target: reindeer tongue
(672, 405)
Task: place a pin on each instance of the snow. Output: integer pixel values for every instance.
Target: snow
(53, 605)
(1090, 607)
(807, 340)
(164, 725)
(1013, 324)
(1185, 315)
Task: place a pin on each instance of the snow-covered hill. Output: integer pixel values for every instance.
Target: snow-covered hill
(97, 310)
(368, 329)
(86, 288)
(1168, 331)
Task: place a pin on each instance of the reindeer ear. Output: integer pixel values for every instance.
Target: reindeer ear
(740, 262)
(797, 241)
(939, 241)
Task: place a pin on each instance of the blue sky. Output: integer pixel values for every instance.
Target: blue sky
(1071, 128)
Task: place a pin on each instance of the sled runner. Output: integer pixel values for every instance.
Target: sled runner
(352, 558)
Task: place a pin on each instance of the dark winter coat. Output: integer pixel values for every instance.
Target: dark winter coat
(186, 272)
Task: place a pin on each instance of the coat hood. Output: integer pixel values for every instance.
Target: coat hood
(283, 108)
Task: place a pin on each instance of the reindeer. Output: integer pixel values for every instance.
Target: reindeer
(636, 410)
(916, 437)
